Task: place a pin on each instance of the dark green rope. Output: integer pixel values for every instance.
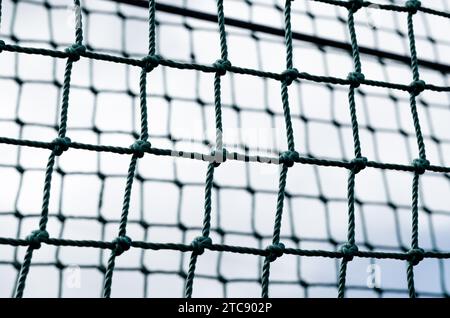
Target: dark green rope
(229, 156)
(199, 243)
(359, 163)
(288, 158)
(218, 155)
(218, 111)
(65, 99)
(417, 86)
(190, 276)
(24, 272)
(143, 104)
(352, 32)
(287, 116)
(222, 248)
(288, 34)
(208, 195)
(203, 241)
(211, 68)
(222, 33)
(60, 145)
(140, 146)
(288, 76)
(410, 279)
(151, 27)
(277, 248)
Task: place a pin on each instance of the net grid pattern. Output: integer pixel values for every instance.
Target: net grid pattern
(286, 159)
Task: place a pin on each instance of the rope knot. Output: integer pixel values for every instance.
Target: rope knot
(359, 163)
(355, 78)
(75, 50)
(413, 5)
(60, 145)
(199, 244)
(289, 157)
(355, 5)
(416, 255)
(218, 156)
(2, 45)
(290, 75)
(222, 66)
(417, 87)
(140, 147)
(420, 165)
(349, 251)
(275, 251)
(150, 62)
(36, 237)
(122, 243)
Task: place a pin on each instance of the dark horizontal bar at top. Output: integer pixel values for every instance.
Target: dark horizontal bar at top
(443, 68)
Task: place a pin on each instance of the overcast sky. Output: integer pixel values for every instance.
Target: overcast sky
(181, 103)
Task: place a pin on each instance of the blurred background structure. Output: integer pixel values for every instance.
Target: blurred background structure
(166, 203)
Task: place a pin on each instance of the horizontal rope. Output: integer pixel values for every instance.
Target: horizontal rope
(221, 248)
(211, 68)
(212, 158)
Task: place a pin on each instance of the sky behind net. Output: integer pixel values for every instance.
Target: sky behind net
(167, 198)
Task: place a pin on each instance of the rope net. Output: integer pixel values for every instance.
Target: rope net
(324, 203)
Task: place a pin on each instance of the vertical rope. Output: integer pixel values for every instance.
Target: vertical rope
(218, 111)
(288, 34)
(65, 99)
(78, 23)
(354, 121)
(358, 163)
(289, 75)
(287, 158)
(24, 273)
(222, 33)
(127, 196)
(109, 274)
(417, 86)
(415, 212)
(140, 146)
(47, 189)
(412, 47)
(207, 205)
(342, 278)
(200, 242)
(417, 128)
(353, 40)
(410, 279)
(143, 104)
(351, 207)
(151, 27)
(287, 115)
(218, 155)
(61, 144)
(276, 248)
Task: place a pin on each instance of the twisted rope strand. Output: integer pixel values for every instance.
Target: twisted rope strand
(59, 146)
(417, 86)
(123, 242)
(288, 158)
(356, 78)
(218, 155)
